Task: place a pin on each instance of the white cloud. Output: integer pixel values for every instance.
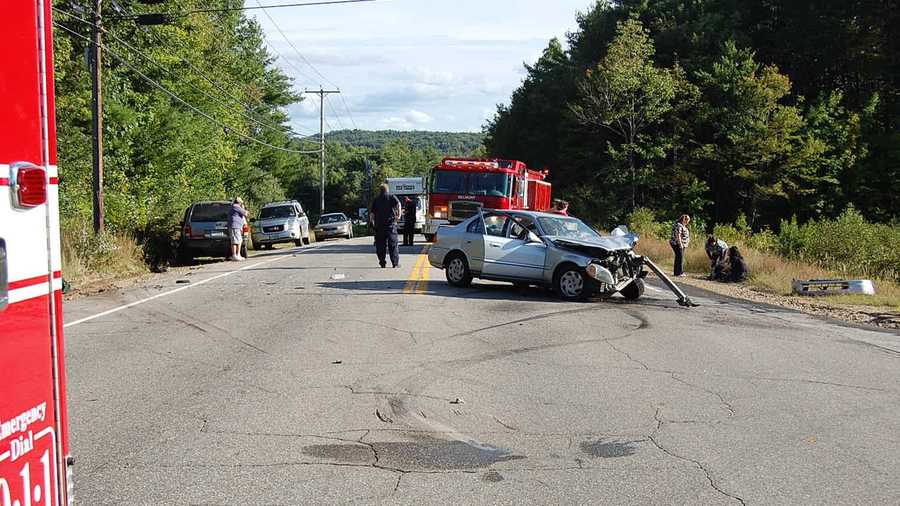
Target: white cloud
(418, 117)
(414, 64)
(409, 120)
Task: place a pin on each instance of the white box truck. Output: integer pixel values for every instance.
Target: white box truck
(416, 189)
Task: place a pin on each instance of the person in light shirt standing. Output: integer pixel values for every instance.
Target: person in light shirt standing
(236, 219)
(681, 238)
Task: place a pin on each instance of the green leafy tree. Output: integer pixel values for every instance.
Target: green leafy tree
(628, 95)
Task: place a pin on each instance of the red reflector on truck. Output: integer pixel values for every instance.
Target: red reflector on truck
(29, 185)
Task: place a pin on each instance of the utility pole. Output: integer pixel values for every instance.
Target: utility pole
(321, 93)
(97, 112)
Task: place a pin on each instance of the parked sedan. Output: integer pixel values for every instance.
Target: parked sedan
(334, 225)
(551, 250)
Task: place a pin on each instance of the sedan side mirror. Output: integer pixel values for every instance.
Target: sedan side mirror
(532, 237)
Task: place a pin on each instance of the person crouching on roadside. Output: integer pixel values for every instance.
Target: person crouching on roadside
(681, 238)
(716, 251)
(236, 219)
(738, 269)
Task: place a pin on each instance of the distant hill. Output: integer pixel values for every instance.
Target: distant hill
(446, 143)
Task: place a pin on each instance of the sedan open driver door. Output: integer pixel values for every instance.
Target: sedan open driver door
(509, 252)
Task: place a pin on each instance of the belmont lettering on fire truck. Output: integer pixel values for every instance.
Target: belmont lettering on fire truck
(35, 466)
(462, 186)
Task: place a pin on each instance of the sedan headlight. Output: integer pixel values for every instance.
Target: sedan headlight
(600, 273)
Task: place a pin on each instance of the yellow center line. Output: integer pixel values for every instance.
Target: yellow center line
(418, 278)
(424, 273)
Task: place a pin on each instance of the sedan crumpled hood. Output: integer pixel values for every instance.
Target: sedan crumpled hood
(608, 243)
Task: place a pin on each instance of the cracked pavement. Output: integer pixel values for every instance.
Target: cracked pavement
(280, 385)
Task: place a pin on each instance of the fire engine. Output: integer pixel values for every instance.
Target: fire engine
(35, 466)
(462, 186)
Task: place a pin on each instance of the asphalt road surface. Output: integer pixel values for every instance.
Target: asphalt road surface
(310, 376)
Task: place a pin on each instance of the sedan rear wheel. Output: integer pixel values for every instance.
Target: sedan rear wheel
(458, 273)
(571, 284)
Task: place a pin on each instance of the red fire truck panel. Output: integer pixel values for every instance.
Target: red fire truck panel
(33, 438)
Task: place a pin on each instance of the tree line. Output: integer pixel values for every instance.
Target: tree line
(226, 134)
(446, 143)
(719, 108)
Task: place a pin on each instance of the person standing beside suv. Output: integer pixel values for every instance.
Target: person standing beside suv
(236, 220)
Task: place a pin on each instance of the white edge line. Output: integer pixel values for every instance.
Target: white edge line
(176, 290)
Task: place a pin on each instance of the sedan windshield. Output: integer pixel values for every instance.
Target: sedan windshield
(277, 212)
(567, 228)
(332, 218)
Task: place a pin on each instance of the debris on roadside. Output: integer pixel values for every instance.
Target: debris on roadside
(337, 276)
(457, 401)
(337, 362)
(182, 281)
(819, 306)
(833, 287)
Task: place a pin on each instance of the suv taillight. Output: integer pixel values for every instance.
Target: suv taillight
(187, 231)
(29, 185)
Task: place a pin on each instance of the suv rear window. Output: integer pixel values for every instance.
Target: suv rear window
(210, 212)
(277, 212)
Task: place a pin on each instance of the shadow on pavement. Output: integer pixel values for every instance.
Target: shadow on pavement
(337, 248)
(439, 288)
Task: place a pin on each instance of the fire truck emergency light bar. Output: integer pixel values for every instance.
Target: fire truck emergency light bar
(468, 162)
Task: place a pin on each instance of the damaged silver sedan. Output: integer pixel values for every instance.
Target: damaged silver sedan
(550, 250)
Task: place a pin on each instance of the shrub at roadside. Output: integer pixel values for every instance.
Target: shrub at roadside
(848, 245)
(845, 247)
(88, 258)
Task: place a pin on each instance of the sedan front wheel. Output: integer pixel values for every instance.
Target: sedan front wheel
(571, 284)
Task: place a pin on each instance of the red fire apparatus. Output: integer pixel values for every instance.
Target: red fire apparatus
(34, 448)
(461, 186)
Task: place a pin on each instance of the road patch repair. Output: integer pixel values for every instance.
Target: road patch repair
(418, 278)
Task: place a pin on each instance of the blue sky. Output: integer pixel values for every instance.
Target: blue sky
(413, 64)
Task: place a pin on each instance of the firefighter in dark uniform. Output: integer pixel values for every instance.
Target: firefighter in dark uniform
(383, 215)
(409, 221)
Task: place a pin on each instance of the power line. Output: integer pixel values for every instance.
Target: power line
(308, 63)
(289, 62)
(350, 114)
(331, 107)
(270, 126)
(226, 127)
(232, 9)
(291, 44)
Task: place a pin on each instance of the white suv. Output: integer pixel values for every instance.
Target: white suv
(280, 222)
